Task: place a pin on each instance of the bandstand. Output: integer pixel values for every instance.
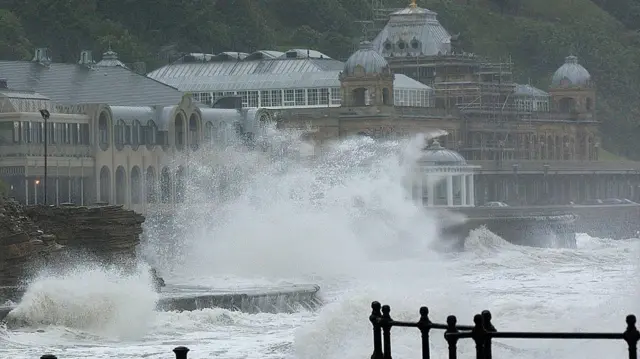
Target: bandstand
(444, 178)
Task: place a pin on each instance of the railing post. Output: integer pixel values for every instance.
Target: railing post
(181, 352)
(385, 322)
(48, 356)
(375, 318)
(631, 336)
(424, 324)
(452, 341)
(486, 323)
(479, 335)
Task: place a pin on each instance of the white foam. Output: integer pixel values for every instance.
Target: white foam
(342, 220)
(102, 301)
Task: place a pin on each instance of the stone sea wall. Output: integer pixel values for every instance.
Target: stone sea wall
(37, 235)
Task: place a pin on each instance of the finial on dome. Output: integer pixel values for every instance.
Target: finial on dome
(366, 45)
(413, 4)
(571, 59)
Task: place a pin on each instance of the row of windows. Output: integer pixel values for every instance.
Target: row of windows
(277, 98)
(25, 132)
(414, 98)
(136, 135)
(532, 105)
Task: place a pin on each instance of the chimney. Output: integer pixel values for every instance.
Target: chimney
(3, 84)
(42, 56)
(86, 58)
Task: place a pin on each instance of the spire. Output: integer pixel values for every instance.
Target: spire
(413, 4)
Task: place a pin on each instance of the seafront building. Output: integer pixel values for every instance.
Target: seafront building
(113, 135)
(117, 136)
(530, 145)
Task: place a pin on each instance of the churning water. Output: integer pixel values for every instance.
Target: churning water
(340, 219)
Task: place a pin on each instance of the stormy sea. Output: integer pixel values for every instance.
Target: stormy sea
(286, 212)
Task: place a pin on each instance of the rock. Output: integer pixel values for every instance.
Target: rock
(21, 243)
(37, 235)
(110, 233)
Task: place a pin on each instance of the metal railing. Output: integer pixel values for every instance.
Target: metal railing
(481, 332)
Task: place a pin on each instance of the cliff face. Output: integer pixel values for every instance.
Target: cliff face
(109, 234)
(30, 236)
(22, 243)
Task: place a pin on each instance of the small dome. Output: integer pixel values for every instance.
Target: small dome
(571, 74)
(436, 155)
(366, 57)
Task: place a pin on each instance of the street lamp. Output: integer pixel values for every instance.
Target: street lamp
(546, 181)
(45, 116)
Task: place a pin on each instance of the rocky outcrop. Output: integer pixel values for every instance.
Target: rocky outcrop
(30, 236)
(22, 243)
(108, 233)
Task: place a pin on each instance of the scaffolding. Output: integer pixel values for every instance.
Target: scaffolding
(374, 22)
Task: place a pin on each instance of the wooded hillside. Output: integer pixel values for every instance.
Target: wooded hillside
(604, 34)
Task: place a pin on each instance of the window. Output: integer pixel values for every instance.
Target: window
(151, 133)
(300, 98)
(336, 98)
(324, 96)
(289, 98)
(26, 132)
(120, 134)
(312, 97)
(208, 132)
(245, 98)
(16, 132)
(84, 133)
(68, 138)
(276, 98)
(205, 97)
(252, 99)
(137, 137)
(265, 98)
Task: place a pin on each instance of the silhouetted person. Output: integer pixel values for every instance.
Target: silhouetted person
(158, 282)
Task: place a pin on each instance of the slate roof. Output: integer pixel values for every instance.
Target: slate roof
(77, 84)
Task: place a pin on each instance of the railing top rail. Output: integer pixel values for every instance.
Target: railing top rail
(481, 332)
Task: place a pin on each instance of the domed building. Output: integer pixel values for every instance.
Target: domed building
(572, 89)
(413, 31)
(367, 79)
(571, 74)
(444, 179)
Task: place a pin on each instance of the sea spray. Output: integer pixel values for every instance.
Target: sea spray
(101, 300)
(279, 212)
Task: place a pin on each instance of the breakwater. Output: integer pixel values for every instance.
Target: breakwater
(529, 226)
(287, 298)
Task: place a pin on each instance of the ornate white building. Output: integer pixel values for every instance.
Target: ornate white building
(112, 136)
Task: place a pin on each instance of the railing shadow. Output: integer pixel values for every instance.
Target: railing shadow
(481, 332)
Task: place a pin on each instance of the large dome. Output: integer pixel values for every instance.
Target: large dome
(370, 61)
(571, 74)
(436, 155)
(413, 31)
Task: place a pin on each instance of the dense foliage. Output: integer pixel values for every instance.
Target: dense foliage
(537, 35)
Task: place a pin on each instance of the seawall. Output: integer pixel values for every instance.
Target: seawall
(529, 226)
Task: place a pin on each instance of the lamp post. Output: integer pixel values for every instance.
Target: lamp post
(45, 116)
(515, 167)
(546, 181)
